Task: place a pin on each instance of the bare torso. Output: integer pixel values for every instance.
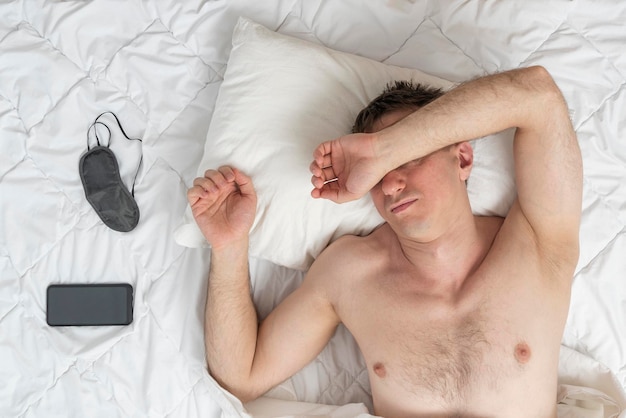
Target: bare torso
(488, 349)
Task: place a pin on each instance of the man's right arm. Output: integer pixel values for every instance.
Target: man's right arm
(249, 359)
(245, 358)
(230, 326)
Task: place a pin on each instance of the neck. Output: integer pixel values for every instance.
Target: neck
(442, 264)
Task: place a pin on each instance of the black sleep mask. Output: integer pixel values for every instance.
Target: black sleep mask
(104, 188)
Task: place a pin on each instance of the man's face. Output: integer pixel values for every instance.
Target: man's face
(418, 198)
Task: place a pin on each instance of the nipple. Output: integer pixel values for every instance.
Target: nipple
(522, 352)
(379, 369)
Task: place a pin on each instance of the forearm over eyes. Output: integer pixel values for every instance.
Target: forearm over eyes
(231, 321)
(472, 110)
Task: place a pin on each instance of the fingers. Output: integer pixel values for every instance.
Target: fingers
(220, 177)
(321, 167)
(243, 182)
(327, 175)
(227, 172)
(322, 170)
(329, 191)
(195, 194)
(319, 153)
(322, 153)
(324, 178)
(215, 181)
(325, 172)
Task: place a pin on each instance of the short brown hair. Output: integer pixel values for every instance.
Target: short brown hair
(399, 95)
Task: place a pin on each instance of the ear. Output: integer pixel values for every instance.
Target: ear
(465, 153)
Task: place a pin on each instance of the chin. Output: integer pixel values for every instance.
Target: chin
(414, 230)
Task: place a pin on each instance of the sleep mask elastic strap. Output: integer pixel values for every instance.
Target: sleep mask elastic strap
(119, 124)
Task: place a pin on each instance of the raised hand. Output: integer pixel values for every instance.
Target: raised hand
(223, 203)
(346, 168)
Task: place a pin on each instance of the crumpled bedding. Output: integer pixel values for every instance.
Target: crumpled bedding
(158, 65)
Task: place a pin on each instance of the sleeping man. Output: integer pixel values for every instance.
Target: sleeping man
(455, 314)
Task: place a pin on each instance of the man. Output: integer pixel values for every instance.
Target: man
(456, 315)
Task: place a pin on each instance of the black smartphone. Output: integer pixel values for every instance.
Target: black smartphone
(89, 304)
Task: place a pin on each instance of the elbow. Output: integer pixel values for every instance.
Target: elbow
(540, 80)
(243, 395)
(540, 72)
(539, 75)
(242, 389)
(539, 88)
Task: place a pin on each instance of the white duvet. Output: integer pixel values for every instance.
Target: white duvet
(159, 65)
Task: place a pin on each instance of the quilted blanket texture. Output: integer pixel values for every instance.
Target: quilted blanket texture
(158, 64)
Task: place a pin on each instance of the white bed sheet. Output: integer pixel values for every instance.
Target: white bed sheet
(159, 64)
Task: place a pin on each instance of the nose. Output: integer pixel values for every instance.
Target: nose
(393, 182)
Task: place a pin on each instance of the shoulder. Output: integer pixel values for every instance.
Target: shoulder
(348, 258)
(354, 248)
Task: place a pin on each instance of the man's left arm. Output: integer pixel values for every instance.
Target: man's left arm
(548, 173)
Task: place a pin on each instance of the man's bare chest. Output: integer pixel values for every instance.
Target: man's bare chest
(451, 354)
(443, 358)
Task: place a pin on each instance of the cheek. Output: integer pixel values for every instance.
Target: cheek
(377, 197)
(432, 175)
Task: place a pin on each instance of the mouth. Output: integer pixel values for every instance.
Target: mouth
(401, 206)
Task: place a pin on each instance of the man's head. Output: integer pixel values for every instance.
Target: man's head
(417, 198)
(398, 96)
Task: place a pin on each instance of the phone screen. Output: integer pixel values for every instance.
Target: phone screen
(89, 304)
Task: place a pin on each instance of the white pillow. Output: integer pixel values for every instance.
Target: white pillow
(280, 98)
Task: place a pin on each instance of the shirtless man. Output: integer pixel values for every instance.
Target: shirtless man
(455, 314)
